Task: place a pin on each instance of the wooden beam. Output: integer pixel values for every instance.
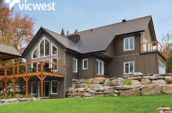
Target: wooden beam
(6, 85)
(27, 85)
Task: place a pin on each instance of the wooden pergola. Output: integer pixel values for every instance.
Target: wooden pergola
(13, 73)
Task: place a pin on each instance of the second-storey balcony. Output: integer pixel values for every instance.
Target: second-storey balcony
(154, 46)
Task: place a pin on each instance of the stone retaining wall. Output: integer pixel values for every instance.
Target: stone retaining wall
(130, 86)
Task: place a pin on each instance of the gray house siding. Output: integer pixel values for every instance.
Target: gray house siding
(61, 63)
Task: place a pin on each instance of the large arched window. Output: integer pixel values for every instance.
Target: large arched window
(44, 48)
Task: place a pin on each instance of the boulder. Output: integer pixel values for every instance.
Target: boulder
(135, 82)
(107, 82)
(97, 87)
(145, 81)
(108, 91)
(89, 81)
(158, 82)
(125, 87)
(151, 77)
(81, 89)
(117, 82)
(87, 94)
(99, 80)
(80, 85)
(151, 89)
(167, 89)
(168, 79)
(131, 92)
(135, 78)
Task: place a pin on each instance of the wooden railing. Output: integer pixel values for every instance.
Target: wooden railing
(153, 47)
(31, 68)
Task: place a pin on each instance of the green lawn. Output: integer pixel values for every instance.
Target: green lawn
(136, 104)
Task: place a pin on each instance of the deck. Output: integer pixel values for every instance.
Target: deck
(27, 70)
(154, 46)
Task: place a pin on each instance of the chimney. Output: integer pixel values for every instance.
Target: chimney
(124, 20)
(74, 37)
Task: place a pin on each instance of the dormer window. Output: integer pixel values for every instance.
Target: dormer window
(129, 43)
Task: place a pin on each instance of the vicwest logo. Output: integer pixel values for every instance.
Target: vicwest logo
(31, 6)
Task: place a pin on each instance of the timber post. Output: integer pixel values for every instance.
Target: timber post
(14, 86)
(27, 85)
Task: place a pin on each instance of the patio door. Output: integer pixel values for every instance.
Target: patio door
(46, 89)
(100, 67)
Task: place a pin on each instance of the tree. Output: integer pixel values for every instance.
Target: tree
(167, 40)
(15, 29)
(62, 32)
(76, 31)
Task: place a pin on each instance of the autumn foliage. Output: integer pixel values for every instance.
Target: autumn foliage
(15, 29)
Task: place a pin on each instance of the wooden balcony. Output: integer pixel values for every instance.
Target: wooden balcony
(27, 70)
(155, 46)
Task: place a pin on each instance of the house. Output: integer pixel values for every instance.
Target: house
(114, 50)
(8, 52)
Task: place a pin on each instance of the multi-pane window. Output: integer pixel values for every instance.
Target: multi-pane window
(34, 54)
(75, 65)
(128, 43)
(85, 64)
(54, 50)
(44, 48)
(54, 87)
(55, 64)
(47, 48)
(129, 67)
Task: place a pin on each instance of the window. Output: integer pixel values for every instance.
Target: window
(34, 53)
(55, 64)
(128, 43)
(34, 88)
(85, 64)
(54, 87)
(44, 48)
(75, 65)
(100, 67)
(54, 50)
(129, 67)
(47, 48)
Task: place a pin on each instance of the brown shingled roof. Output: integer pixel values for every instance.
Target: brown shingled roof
(98, 39)
(7, 52)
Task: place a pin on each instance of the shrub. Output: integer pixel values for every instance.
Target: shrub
(127, 82)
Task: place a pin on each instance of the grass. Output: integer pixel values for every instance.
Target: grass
(134, 104)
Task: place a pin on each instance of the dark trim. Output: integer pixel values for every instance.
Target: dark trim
(11, 54)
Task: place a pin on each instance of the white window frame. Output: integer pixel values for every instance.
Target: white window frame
(36, 48)
(129, 46)
(102, 67)
(51, 87)
(52, 49)
(51, 65)
(32, 88)
(43, 39)
(129, 62)
(83, 61)
(76, 61)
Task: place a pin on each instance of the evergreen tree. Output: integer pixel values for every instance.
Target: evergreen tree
(62, 32)
(76, 31)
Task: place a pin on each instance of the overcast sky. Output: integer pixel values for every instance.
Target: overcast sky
(85, 14)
